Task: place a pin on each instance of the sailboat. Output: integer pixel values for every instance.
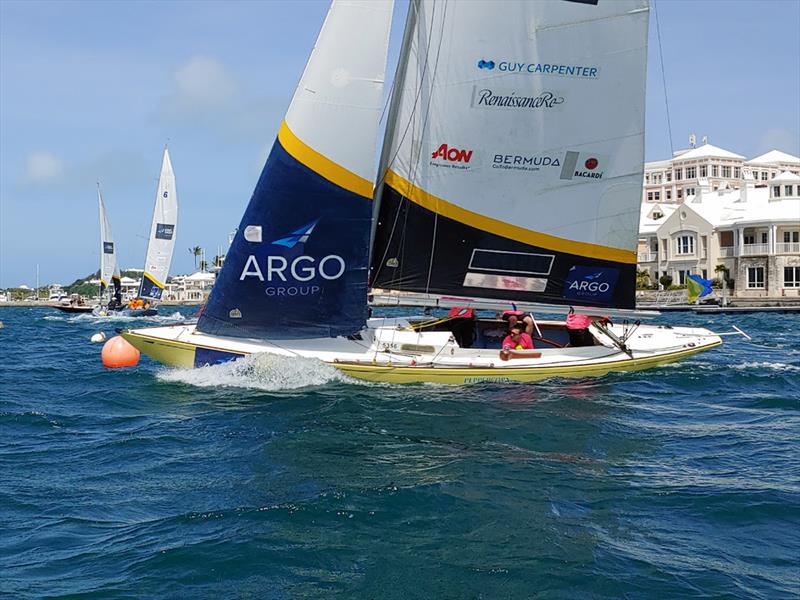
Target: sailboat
(110, 282)
(160, 246)
(510, 176)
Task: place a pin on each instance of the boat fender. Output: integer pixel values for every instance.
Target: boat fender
(98, 337)
(117, 353)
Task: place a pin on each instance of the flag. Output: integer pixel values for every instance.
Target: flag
(697, 287)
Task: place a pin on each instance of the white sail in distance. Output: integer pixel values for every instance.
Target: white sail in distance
(109, 268)
(162, 234)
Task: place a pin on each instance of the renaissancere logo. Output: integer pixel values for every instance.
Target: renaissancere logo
(451, 157)
(297, 274)
(513, 99)
(538, 68)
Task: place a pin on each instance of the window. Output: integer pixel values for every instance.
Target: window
(755, 175)
(669, 175)
(776, 191)
(668, 194)
(755, 277)
(749, 238)
(691, 172)
(787, 189)
(657, 215)
(764, 237)
(647, 178)
(685, 244)
(705, 273)
(649, 196)
(678, 174)
(790, 237)
(791, 277)
(680, 194)
(689, 192)
(737, 173)
(703, 171)
(657, 196)
(714, 171)
(764, 175)
(682, 276)
(726, 172)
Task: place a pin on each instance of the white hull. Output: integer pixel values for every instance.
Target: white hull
(389, 351)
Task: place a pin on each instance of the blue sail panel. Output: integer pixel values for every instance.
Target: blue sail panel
(297, 267)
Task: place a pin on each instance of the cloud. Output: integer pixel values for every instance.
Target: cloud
(43, 167)
(202, 84)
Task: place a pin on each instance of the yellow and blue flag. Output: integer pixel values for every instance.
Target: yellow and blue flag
(697, 287)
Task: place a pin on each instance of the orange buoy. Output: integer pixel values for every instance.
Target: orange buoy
(117, 352)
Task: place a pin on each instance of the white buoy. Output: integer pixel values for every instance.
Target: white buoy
(98, 337)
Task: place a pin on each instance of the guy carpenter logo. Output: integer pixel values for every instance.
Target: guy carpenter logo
(488, 98)
(297, 270)
(508, 66)
(590, 283)
(454, 158)
(164, 231)
(583, 165)
(519, 162)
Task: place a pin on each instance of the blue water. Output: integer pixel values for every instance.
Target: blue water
(281, 479)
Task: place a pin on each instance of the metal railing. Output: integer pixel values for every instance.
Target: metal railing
(727, 251)
(648, 257)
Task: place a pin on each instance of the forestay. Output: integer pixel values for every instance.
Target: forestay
(297, 267)
(512, 167)
(162, 234)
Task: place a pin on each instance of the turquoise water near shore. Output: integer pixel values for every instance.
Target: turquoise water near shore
(282, 479)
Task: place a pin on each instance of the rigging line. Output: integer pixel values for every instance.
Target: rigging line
(663, 79)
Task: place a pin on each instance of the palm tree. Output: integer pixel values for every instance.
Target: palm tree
(196, 251)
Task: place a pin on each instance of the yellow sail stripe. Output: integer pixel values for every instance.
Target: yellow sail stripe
(322, 165)
(506, 230)
(154, 280)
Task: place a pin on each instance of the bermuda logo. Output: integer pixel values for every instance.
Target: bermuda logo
(590, 283)
(293, 268)
(486, 64)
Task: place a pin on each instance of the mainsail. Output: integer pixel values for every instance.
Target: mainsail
(513, 161)
(297, 267)
(162, 234)
(109, 268)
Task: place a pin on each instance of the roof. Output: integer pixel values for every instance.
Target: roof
(774, 156)
(647, 224)
(785, 177)
(706, 151)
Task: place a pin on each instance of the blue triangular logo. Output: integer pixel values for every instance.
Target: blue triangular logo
(297, 236)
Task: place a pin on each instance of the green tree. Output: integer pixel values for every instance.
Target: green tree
(666, 281)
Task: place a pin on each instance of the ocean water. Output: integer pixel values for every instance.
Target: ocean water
(283, 479)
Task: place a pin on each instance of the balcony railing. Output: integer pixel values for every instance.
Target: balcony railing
(787, 248)
(648, 257)
(755, 249)
(727, 251)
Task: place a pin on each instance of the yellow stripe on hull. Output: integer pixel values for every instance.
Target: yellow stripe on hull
(181, 354)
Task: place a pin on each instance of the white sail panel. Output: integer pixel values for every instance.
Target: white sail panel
(109, 269)
(162, 233)
(342, 88)
(523, 121)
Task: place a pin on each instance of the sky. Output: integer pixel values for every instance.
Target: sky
(94, 90)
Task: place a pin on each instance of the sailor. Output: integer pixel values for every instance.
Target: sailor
(512, 316)
(518, 339)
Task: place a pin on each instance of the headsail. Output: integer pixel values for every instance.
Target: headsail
(162, 234)
(297, 267)
(513, 163)
(109, 269)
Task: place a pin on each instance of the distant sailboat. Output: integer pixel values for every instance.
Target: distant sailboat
(160, 247)
(110, 282)
(510, 177)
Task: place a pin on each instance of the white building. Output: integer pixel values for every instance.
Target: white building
(678, 178)
(192, 288)
(753, 232)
